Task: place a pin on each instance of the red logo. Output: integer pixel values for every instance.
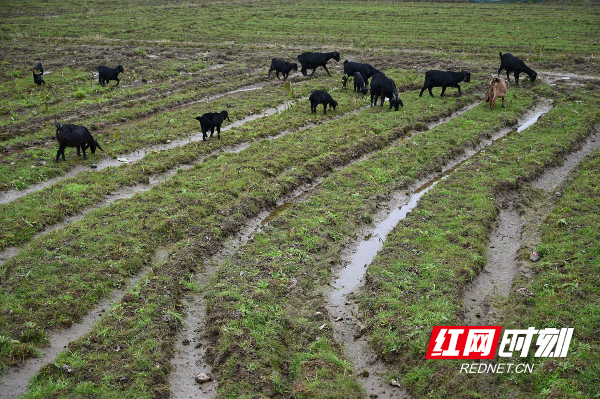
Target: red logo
(462, 342)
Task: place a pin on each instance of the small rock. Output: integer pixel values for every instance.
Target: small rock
(338, 318)
(67, 368)
(534, 257)
(166, 318)
(94, 166)
(361, 330)
(526, 292)
(323, 326)
(395, 383)
(128, 297)
(203, 378)
(185, 342)
(373, 396)
(198, 345)
(318, 313)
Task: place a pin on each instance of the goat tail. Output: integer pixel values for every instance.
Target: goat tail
(501, 54)
(57, 129)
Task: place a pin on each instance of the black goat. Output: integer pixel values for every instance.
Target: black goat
(38, 71)
(315, 60)
(74, 136)
(210, 120)
(359, 84)
(320, 97)
(513, 64)
(383, 86)
(444, 79)
(282, 66)
(366, 70)
(105, 74)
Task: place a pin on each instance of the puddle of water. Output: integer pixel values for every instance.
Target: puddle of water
(276, 212)
(567, 76)
(353, 273)
(16, 381)
(535, 116)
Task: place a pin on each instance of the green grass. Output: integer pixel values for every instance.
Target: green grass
(325, 357)
(266, 339)
(302, 243)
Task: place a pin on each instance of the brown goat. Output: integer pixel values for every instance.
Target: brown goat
(496, 88)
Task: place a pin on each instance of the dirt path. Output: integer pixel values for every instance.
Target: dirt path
(16, 381)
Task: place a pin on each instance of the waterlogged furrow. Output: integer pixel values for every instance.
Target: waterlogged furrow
(563, 287)
(264, 308)
(417, 280)
(74, 266)
(189, 357)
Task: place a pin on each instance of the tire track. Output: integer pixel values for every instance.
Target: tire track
(496, 279)
(181, 379)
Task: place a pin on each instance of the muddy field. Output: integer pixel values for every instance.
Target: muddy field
(301, 255)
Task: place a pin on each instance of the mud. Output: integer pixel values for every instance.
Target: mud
(16, 381)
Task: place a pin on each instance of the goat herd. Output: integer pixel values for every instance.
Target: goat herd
(69, 135)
